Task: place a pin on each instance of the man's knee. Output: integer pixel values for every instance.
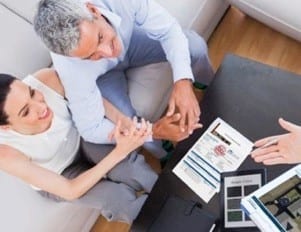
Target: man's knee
(197, 46)
(200, 63)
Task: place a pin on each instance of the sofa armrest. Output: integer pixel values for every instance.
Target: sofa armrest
(283, 16)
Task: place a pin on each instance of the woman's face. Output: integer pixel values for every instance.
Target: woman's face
(27, 110)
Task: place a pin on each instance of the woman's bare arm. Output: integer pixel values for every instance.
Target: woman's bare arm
(15, 163)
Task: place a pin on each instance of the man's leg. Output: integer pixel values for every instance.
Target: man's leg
(113, 86)
(143, 51)
(200, 63)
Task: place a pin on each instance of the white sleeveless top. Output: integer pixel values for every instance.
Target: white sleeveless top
(54, 149)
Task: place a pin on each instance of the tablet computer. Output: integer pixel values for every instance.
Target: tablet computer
(277, 205)
(234, 187)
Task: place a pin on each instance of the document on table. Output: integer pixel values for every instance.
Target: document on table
(220, 149)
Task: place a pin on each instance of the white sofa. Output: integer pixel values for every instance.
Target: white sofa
(21, 52)
(283, 16)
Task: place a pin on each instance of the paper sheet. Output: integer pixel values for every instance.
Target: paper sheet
(220, 149)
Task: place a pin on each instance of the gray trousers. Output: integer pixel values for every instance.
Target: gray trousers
(143, 51)
(115, 196)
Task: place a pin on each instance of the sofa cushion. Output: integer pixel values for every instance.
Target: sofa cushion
(23, 209)
(283, 16)
(24, 52)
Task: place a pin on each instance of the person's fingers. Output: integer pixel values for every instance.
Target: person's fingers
(135, 121)
(134, 125)
(262, 142)
(125, 132)
(149, 130)
(197, 126)
(263, 151)
(111, 135)
(171, 107)
(141, 131)
(174, 118)
(116, 131)
(183, 120)
(143, 124)
(291, 127)
(182, 136)
(191, 122)
(197, 112)
(276, 160)
(266, 156)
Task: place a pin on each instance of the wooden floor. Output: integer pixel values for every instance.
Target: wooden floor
(241, 35)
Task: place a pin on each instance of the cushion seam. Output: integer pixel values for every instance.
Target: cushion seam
(15, 12)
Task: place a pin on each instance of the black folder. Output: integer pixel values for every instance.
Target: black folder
(179, 215)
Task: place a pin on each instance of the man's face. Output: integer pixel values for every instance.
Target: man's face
(98, 39)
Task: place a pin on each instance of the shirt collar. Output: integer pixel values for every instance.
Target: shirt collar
(114, 19)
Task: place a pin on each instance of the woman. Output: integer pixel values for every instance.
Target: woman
(40, 145)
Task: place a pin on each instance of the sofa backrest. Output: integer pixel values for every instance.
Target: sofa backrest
(199, 15)
(22, 52)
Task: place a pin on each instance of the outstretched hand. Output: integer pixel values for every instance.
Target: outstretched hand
(134, 138)
(168, 128)
(184, 99)
(287, 149)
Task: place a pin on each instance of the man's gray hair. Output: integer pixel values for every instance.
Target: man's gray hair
(57, 23)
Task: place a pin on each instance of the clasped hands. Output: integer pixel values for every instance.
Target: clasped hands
(181, 119)
(182, 116)
(132, 137)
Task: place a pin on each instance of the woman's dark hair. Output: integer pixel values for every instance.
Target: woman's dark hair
(5, 82)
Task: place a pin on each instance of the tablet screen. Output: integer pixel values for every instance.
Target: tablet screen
(284, 203)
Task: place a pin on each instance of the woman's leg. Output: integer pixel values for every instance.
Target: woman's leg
(133, 170)
(116, 201)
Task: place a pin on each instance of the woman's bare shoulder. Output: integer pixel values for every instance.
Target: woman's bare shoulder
(49, 77)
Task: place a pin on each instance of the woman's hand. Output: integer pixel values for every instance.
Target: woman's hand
(287, 149)
(127, 142)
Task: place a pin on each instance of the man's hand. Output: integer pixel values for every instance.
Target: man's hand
(286, 150)
(168, 128)
(184, 99)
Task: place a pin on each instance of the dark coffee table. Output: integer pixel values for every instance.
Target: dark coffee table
(248, 95)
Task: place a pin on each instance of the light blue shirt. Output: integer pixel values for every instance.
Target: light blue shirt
(79, 76)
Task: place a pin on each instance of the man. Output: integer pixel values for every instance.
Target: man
(93, 44)
(284, 149)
